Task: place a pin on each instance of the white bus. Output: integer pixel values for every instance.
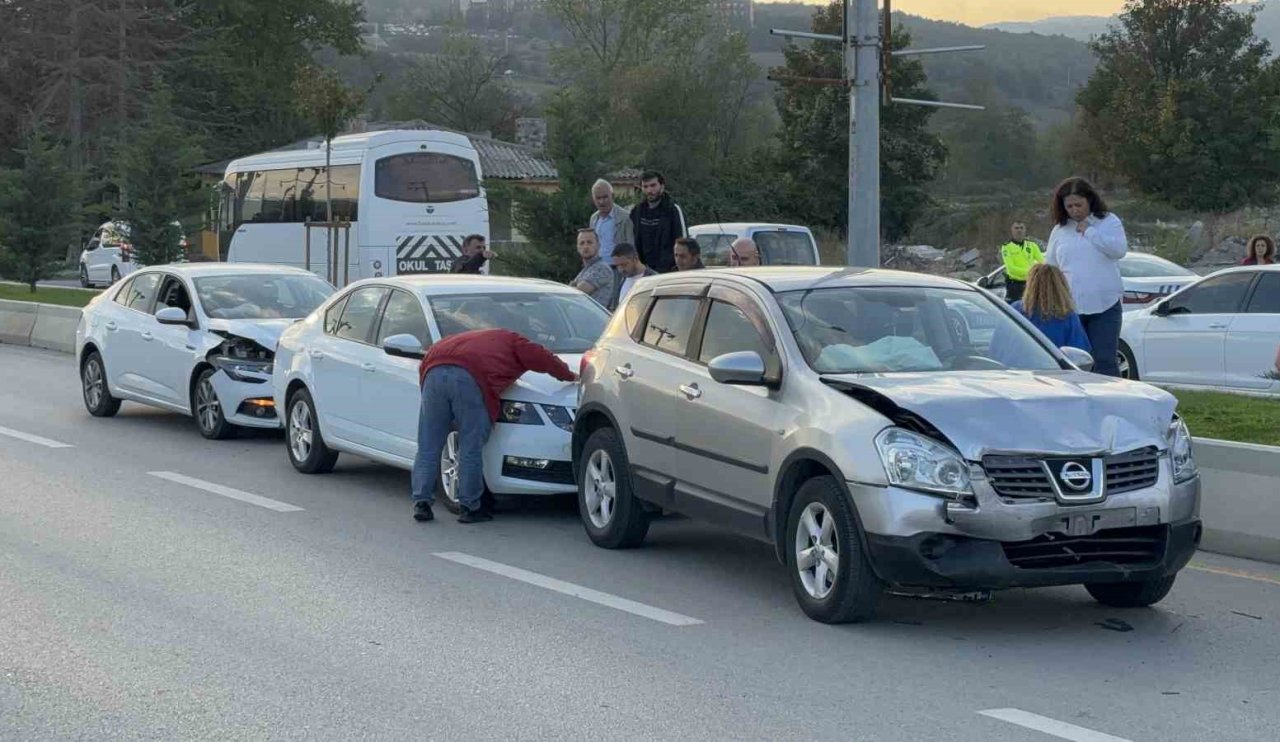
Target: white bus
(411, 196)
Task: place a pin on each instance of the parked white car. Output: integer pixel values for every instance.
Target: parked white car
(347, 376)
(108, 255)
(779, 244)
(194, 339)
(1146, 279)
(1222, 332)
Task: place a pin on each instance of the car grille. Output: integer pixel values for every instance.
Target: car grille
(556, 472)
(1023, 476)
(1115, 546)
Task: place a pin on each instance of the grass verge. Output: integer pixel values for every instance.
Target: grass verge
(46, 295)
(1230, 417)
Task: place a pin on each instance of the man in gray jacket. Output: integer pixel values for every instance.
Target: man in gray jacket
(611, 222)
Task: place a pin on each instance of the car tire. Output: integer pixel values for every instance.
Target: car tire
(612, 516)
(206, 408)
(1128, 364)
(831, 535)
(84, 276)
(303, 440)
(115, 275)
(93, 385)
(449, 470)
(1131, 594)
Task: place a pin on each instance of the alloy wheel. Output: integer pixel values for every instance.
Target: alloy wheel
(450, 471)
(601, 488)
(93, 384)
(817, 550)
(300, 430)
(1123, 363)
(208, 407)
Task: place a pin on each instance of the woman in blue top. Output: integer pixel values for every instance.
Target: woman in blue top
(1047, 303)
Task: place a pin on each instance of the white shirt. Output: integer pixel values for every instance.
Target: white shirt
(627, 283)
(1091, 261)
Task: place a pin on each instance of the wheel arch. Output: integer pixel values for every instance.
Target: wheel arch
(799, 467)
(590, 418)
(191, 384)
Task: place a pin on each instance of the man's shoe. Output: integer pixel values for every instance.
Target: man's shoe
(422, 512)
(479, 515)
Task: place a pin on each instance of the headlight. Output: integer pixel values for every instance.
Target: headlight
(913, 461)
(1184, 464)
(519, 413)
(561, 417)
(241, 369)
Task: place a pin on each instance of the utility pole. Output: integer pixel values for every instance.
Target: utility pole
(866, 64)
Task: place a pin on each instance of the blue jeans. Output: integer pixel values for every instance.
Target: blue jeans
(1103, 330)
(451, 396)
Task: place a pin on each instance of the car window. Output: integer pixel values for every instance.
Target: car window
(1266, 297)
(784, 248)
(670, 322)
(174, 294)
(141, 290)
(332, 315)
(425, 177)
(636, 304)
(729, 330)
(360, 313)
(715, 248)
(1216, 295)
(403, 316)
(561, 322)
(122, 293)
(261, 295)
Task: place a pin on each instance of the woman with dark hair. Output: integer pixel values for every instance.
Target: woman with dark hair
(1087, 243)
(1262, 251)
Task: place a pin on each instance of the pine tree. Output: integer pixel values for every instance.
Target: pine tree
(39, 211)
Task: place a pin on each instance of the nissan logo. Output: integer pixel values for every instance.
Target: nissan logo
(1076, 476)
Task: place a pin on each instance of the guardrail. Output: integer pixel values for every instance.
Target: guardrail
(1241, 492)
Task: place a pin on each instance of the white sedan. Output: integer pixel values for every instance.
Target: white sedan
(1146, 278)
(197, 339)
(347, 376)
(1221, 333)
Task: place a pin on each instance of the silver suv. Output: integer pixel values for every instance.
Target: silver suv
(853, 420)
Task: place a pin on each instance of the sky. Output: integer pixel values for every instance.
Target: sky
(979, 12)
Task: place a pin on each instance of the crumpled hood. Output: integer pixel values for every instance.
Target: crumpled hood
(264, 332)
(1058, 412)
(545, 389)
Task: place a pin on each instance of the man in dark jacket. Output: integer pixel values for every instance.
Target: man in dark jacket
(474, 255)
(462, 377)
(658, 222)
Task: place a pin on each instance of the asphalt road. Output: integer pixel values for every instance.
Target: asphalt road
(136, 605)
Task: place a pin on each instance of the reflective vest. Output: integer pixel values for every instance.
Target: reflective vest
(1018, 259)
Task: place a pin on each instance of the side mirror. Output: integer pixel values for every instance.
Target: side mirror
(744, 368)
(403, 346)
(92, 245)
(1078, 358)
(984, 282)
(172, 316)
(1161, 310)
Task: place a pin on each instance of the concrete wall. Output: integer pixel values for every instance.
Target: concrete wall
(1241, 492)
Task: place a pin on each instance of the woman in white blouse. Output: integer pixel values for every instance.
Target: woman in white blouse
(1087, 243)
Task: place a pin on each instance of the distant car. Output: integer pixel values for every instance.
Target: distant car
(779, 244)
(195, 339)
(1146, 278)
(108, 255)
(839, 416)
(348, 376)
(1222, 332)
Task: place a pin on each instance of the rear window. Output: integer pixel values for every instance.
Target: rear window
(426, 177)
(784, 248)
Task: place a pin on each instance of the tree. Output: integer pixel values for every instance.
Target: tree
(39, 207)
(462, 88)
(155, 167)
(815, 136)
(327, 102)
(1184, 104)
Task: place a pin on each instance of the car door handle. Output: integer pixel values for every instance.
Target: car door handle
(368, 367)
(147, 336)
(625, 371)
(691, 392)
(317, 355)
(111, 326)
(1219, 326)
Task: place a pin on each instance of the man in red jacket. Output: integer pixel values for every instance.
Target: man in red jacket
(462, 378)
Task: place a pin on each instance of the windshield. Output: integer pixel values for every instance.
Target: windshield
(1142, 266)
(715, 248)
(895, 329)
(784, 248)
(261, 296)
(564, 323)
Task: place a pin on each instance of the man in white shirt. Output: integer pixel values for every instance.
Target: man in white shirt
(626, 260)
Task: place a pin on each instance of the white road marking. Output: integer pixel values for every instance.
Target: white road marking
(568, 588)
(1051, 727)
(234, 494)
(33, 439)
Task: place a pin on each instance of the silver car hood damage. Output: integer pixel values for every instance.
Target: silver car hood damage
(1025, 412)
(264, 332)
(545, 389)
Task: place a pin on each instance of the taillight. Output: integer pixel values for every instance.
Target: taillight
(1139, 297)
(126, 252)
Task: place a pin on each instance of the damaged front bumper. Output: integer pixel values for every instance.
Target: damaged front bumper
(991, 542)
(246, 404)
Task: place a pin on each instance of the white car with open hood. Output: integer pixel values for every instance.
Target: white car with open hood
(347, 376)
(198, 339)
(845, 417)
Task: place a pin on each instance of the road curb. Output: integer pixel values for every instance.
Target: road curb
(55, 328)
(17, 319)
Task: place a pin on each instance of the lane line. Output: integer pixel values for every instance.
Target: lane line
(1234, 573)
(234, 494)
(1051, 727)
(568, 588)
(10, 432)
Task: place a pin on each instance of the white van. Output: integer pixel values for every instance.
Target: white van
(779, 244)
(411, 197)
(108, 255)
